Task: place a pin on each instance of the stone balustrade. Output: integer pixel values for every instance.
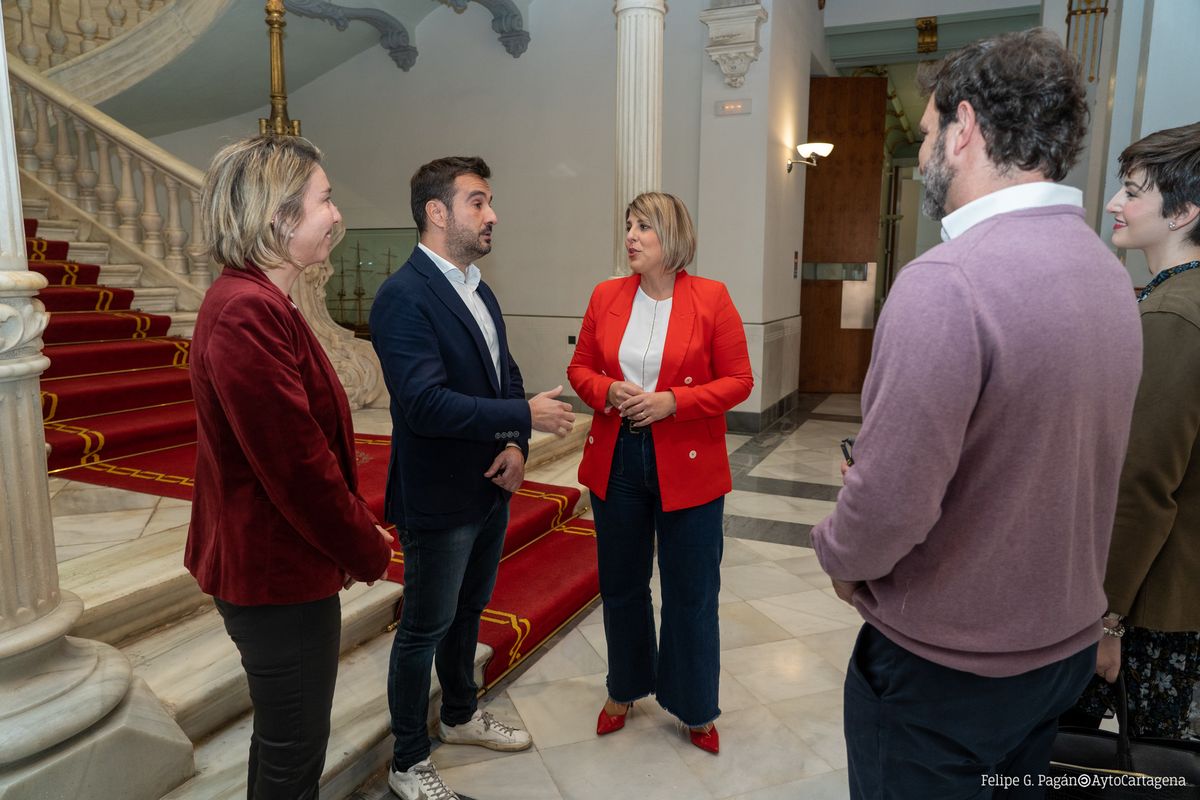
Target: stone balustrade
(46, 33)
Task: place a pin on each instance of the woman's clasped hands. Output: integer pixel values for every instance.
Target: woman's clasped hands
(643, 408)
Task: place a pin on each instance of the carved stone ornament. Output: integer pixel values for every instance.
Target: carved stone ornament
(506, 21)
(393, 36)
(353, 359)
(22, 318)
(733, 39)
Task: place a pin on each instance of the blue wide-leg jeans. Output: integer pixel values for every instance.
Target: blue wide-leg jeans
(449, 575)
(682, 667)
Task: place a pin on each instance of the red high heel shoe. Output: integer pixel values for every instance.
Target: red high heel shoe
(610, 723)
(707, 740)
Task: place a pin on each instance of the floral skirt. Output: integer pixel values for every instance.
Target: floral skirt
(1161, 671)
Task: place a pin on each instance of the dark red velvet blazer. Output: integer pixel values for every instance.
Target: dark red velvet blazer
(705, 364)
(276, 516)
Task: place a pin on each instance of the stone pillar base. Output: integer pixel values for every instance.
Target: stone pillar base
(137, 752)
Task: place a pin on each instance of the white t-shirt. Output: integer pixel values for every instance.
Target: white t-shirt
(642, 346)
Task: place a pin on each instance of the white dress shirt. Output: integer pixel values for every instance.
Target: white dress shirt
(642, 345)
(1014, 198)
(467, 286)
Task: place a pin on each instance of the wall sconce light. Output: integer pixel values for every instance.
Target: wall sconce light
(809, 153)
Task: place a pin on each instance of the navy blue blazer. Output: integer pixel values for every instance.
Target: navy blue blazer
(450, 415)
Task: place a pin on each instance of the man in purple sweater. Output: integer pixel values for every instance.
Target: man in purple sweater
(973, 529)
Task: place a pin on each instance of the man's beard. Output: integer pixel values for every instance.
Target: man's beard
(938, 177)
(464, 244)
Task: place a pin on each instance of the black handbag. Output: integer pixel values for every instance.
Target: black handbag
(1087, 763)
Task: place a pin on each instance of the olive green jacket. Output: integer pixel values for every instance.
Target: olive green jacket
(1154, 563)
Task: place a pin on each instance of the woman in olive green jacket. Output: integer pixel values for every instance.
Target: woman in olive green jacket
(1152, 628)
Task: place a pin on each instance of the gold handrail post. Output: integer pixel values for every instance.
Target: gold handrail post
(278, 124)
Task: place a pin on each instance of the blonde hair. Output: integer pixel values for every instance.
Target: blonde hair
(668, 217)
(253, 198)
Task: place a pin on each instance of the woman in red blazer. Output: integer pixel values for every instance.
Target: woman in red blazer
(661, 357)
(277, 525)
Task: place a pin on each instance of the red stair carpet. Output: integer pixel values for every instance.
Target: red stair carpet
(117, 409)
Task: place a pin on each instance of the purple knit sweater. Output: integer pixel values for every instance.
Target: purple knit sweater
(995, 418)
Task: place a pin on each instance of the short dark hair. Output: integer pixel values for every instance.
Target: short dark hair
(435, 181)
(1027, 94)
(1170, 160)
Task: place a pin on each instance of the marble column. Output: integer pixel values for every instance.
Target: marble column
(639, 108)
(73, 721)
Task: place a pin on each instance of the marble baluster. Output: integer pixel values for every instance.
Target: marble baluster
(127, 202)
(152, 221)
(56, 35)
(64, 160)
(87, 26)
(28, 47)
(639, 108)
(106, 190)
(116, 17)
(198, 260)
(144, 10)
(26, 136)
(43, 146)
(85, 176)
(174, 233)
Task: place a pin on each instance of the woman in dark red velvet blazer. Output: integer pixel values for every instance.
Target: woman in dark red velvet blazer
(277, 525)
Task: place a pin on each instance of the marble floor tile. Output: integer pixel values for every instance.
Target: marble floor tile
(795, 623)
(732, 696)
(84, 498)
(518, 776)
(562, 712)
(845, 405)
(828, 786)
(781, 670)
(755, 581)
(56, 485)
(65, 553)
(817, 720)
(771, 506)
(173, 502)
(372, 421)
(641, 764)
(756, 752)
(820, 603)
(806, 566)
(734, 441)
(835, 646)
(594, 633)
(737, 553)
(165, 518)
(743, 625)
(572, 657)
(110, 526)
(773, 551)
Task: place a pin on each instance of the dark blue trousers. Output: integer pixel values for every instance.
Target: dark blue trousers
(916, 729)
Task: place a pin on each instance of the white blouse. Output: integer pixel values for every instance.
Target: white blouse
(642, 345)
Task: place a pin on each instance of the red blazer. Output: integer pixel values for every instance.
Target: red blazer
(276, 516)
(706, 366)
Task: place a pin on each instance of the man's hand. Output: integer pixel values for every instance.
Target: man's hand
(648, 407)
(508, 469)
(1108, 658)
(550, 415)
(845, 589)
(620, 391)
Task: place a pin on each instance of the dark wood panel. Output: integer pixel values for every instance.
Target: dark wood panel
(832, 358)
(841, 196)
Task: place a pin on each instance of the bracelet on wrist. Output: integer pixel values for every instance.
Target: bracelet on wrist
(1117, 631)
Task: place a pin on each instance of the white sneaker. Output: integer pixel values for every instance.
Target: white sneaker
(486, 731)
(421, 781)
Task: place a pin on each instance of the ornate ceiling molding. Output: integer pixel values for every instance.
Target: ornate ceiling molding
(393, 36)
(506, 21)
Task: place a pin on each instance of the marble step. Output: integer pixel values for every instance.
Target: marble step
(155, 300)
(35, 207)
(183, 324)
(58, 229)
(196, 671)
(546, 447)
(124, 276)
(133, 587)
(359, 745)
(88, 252)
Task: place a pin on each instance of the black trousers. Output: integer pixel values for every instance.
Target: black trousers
(916, 729)
(290, 654)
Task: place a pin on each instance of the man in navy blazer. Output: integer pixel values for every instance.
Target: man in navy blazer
(460, 434)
